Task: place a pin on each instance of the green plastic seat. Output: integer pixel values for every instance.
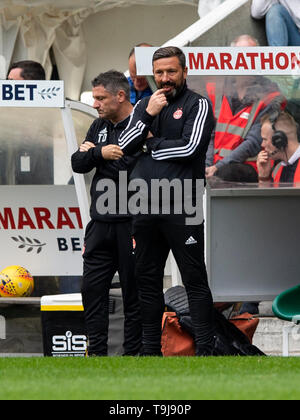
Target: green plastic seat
(286, 306)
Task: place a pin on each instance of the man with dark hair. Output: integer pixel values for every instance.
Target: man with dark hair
(39, 158)
(139, 87)
(26, 70)
(108, 240)
(173, 128)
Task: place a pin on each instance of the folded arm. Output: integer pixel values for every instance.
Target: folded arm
(90, 156)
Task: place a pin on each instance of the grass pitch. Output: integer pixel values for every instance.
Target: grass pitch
(146, 378)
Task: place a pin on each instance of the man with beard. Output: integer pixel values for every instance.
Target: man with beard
(173, 128)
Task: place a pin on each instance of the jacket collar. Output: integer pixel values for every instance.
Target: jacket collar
(121, 124)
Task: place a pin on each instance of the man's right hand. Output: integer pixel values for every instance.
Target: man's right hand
(264, 165)
(210, 171)
(157, 102)
(112, 152)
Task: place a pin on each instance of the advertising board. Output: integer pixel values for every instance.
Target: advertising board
(225, 61)
(41, 229)
(35, 94)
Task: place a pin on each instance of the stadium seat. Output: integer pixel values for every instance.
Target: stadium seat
(286, 306)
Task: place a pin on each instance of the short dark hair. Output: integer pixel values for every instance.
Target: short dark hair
(113, 81)
(31, 70)
(169, 52)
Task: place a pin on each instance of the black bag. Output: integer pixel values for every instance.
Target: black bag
(229, 340)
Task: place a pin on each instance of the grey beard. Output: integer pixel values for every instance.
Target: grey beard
(175, 92)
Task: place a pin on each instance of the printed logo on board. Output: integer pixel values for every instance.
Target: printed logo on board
(32, 93)
(69, 345)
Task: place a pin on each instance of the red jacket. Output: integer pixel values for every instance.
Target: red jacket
(231, 130)
(277, 172)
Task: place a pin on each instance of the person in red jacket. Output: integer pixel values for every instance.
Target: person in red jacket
(238, 110)
(280, 143)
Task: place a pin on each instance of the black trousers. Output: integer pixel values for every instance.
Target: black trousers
(155, 236)
(108, 249)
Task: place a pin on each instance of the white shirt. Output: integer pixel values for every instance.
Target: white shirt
(206, 6)
(293, 158)
(260, 8)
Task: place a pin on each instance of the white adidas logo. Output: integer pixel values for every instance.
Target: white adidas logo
(191, 241)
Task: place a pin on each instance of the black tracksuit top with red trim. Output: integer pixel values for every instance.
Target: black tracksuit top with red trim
(182, 132)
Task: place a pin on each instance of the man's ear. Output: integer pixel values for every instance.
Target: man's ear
(121, 96)
(185, 72)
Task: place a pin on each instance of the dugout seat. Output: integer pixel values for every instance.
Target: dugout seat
(286, 306)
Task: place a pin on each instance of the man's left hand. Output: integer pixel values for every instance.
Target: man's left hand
(85, 147)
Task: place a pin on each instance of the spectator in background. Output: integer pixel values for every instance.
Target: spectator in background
(237, 136)
(245, 41)
(41, 163)
(280, 143)
(139, 87)
(282, 20)
(26, 70)
(206, 6)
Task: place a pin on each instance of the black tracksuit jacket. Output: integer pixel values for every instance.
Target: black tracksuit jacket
(103, 133)
(108, 246)
(182, 132)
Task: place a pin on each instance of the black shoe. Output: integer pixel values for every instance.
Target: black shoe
(94, 354)
(204, 352)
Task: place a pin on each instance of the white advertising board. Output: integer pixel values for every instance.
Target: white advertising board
(41, 230)
(208, 61)
(37, 94)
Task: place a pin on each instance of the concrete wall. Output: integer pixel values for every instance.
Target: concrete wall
(110, 35)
